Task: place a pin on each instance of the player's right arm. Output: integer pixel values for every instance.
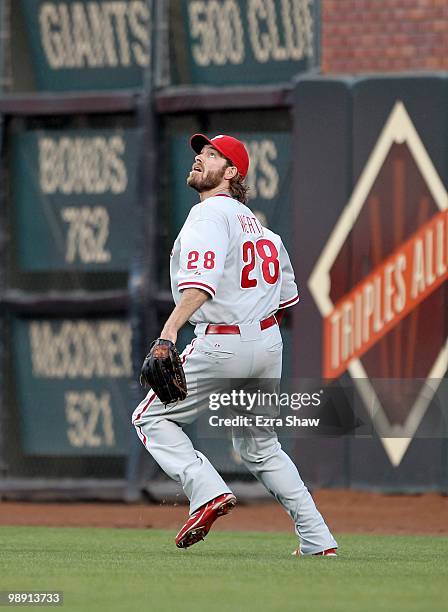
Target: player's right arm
(289, 294)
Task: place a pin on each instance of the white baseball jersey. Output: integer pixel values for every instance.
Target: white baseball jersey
(224, 250)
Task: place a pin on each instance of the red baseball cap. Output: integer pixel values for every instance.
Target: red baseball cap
(228, 146)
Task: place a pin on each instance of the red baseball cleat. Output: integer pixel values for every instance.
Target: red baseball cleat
(329, 552)
(200, 522)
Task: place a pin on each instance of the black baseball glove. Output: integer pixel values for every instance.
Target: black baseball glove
(162, 371)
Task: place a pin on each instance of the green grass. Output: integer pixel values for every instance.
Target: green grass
(124, 569)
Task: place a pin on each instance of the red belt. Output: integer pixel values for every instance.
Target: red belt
(234, 329)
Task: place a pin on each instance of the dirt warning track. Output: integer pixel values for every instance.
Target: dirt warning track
(344, 511)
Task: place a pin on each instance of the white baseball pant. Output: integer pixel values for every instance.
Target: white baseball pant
(255, 353)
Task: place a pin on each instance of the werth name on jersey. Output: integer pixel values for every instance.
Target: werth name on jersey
(250, 225)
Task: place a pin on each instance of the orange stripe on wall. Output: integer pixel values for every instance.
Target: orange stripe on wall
(337, 325)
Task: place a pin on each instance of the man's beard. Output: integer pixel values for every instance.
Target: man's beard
(211, 181)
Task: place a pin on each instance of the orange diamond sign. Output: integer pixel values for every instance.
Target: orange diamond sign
(378, 282)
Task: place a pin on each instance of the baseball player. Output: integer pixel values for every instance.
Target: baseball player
(231, 278)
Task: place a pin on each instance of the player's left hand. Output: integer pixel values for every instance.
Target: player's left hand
(162, 371)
